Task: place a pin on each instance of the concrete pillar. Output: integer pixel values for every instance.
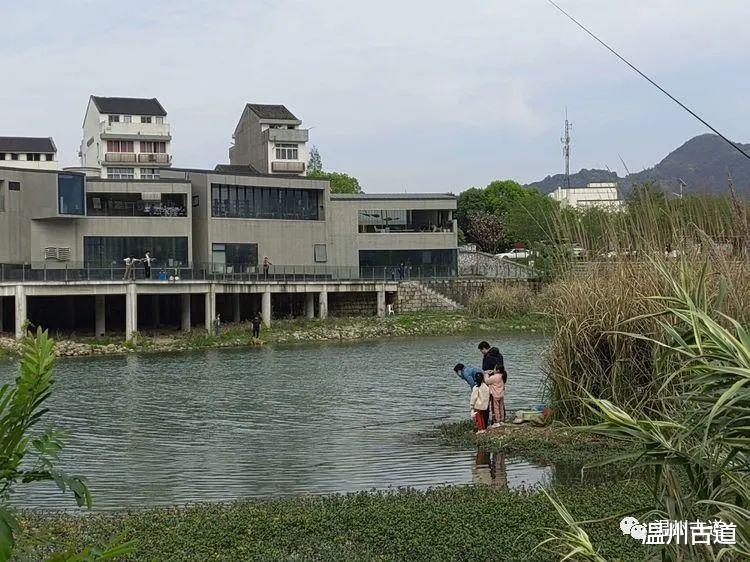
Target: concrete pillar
(310, 305)
(210, 303)
(266, 308)
(100, 315)
(185, 312)
(20, 311)
(236, 302)
(381, 303)
(131, 310)
(323, 305)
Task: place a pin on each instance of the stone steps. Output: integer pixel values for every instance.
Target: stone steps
(413, 296)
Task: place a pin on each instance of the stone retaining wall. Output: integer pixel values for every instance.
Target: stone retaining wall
(413, 296)
(352, 304)
(462, 290)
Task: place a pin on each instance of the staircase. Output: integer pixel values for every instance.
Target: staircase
(413, 296)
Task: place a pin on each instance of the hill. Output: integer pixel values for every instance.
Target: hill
(701, 162)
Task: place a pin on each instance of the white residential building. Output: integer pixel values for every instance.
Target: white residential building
(31, 153)
(126, 138)
(268, 139)
(602, 195)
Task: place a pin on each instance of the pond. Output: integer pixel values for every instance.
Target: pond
(158, 429)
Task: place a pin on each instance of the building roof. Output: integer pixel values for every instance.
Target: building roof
(27, 144)
(265, 111)
(390, 196)
(236, 169)
(129, 106)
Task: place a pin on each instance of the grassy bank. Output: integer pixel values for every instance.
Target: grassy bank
(556, 443)
(453, 523)
(283, 331)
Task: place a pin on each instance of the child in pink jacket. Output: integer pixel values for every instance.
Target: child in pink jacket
(496, 381)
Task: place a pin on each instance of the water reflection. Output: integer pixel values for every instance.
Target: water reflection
(498, 470)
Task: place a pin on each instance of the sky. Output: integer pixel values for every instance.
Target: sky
(418, 96)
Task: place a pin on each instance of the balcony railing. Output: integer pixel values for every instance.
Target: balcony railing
(77, 271)
(149, 158)
(135, 209)
(120, 157)
(151, 130)
(287, 167)
(286, 135)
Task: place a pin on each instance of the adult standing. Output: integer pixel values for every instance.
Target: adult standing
(128, 268)
(491, 357)
(147, 260)
(256, 326)
(266, 264)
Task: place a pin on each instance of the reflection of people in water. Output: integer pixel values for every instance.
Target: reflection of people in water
(489, 469)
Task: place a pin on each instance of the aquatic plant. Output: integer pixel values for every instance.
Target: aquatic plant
(502, 300)
(696, 447)
(26, 456)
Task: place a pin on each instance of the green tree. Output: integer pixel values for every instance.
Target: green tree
(315, 164)
(501, 194)
(340, 182)
(488, 231)
(530, 218)
(470, 202)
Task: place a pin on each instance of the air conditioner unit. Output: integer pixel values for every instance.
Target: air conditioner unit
(50, 253)
(63, 254)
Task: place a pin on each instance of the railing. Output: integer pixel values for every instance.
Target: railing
(120, 157)
(158, 130)
(54, 271)
(408, 228)
(135, 209)
(291, 167)
(154, 158)
(286, 135)
(248, 210)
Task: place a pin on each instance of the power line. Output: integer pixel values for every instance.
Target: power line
(670, 96)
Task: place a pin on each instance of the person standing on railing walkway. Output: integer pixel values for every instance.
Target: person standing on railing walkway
(147, 259)
(130, 269)
(266, 264)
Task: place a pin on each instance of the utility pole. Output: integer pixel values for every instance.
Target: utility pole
(566, 148)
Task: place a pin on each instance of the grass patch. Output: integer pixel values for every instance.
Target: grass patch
(450, 523)
(556, 443)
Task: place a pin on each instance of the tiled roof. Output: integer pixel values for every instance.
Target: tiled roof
(27, 144)
(129, 106)
(279, 112)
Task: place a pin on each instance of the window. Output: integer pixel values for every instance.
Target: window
(71, 194)
(106, 251)
(2, 196)
(114, 119)
(33, 157)
(286, 152)
(2, 155)
(145, 119)
(150, 173)
(250, 202)
(49, 157)
(119, 146)
(120, 173)
(127, 119)
(14, 156)
(416, 262)
(405, 220)
(320, 254)
(14, 186)
(196, 200)
(234, 258)
(158, 147)
(159, 120)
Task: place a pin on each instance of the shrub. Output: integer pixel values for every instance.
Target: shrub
(502, 300)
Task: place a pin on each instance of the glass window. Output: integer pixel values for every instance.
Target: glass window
(150, 173)
(110, 251)
(33, 157)
(159, 120)
(119, 146)
(71, 194)
(127, 118)
(286, 151)
(49, 157)
(145, 119)
(320, 254)
(114, 119)
(14, 186)
(120, 173)
(239, 201)
(233, 258)
(14, 156)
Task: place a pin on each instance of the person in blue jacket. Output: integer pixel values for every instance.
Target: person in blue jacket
(467, 373)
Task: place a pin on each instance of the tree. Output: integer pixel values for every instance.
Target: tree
(488, 231)
(501, 194)
(530, 218)
(340, 182)
(470, 202)
(315, 164)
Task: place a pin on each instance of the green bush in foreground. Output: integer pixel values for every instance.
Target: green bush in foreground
(452, 523)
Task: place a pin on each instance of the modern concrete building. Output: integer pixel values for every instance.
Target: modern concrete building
(53, 220)
(268, 139)
(32, 153)
(126, 138)
(601, 195)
